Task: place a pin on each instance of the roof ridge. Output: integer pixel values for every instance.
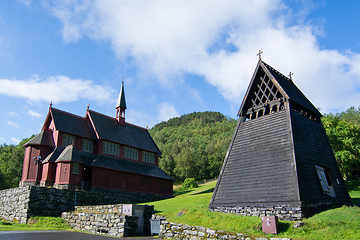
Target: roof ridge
(68, 113)
(102, 114)
(115, 119)
(136, 126)
(278, 72)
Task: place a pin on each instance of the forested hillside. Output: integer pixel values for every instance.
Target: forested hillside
(343, 130)
(11, 162)
(194, 145)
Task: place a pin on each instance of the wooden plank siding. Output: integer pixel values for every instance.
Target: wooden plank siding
(312, 148)
(260, 166)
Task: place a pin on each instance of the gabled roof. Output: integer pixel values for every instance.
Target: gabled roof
(292, 90)
(53, 155)
(121, 100)
(72, 124)
(107, 128)
(284, 86)
(43, 138)
(69, 154)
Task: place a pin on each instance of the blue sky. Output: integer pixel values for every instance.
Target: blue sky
(176, 57)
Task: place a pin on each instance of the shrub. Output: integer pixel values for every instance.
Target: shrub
(189, 183)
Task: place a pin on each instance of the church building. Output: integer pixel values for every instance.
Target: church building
(94, 152)
(279, 161)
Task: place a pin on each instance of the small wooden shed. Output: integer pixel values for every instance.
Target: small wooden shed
(279, 161)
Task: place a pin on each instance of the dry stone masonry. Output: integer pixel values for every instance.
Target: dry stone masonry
(182, 231)
(283, 212)
(108, 220)
(14, 204)
(19, 204)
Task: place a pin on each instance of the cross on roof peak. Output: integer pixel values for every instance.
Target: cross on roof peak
(259, 54)
(290, 75)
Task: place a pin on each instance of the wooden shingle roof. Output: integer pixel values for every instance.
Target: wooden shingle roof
(291, 89)
(129, 166)
(69, 154)
(43, 138)
(72, 124)
(107, 128)
(283, 86)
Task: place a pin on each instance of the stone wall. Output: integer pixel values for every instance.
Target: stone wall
(109, 220)
(283, 212)
(183, 231)
(14, 204)
(113, 224)
(24, 202)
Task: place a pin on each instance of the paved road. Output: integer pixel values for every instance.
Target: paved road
(58, 235)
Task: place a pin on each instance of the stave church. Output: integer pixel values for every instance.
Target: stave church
(96, 152)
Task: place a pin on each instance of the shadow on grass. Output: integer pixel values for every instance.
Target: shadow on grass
(356, 201)
(283, 226)
(206, 191)
(181, 192)
(157, 211)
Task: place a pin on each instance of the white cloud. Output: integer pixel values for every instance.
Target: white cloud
(34, 114)
(13, 114)
(55, 88)
(166, 111)
(218, 40)
(12, 124)
(26, 3)
(2, 140)
(17, 141)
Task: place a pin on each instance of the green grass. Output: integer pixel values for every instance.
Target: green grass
(338, 223)
(36, 223)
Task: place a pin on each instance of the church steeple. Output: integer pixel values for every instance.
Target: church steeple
(121, 106)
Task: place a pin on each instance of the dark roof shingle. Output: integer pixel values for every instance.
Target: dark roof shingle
(44, 138)
(130, 135)
(291, 89)
(72, 124)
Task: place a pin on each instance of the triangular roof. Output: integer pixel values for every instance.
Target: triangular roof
(278, 87)
(43, 138)
(107, 128)
(69, 123)
(121, 99)
(53, 155)
(69, 154)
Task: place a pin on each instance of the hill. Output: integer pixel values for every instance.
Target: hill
(194, 145)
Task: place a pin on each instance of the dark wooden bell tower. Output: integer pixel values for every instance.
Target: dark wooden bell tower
(279, 161)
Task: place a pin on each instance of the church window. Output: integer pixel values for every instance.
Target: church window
(67, 139)
(131, 153)
(75, 169)
(148, 157)
(87, 145)
(111, 148)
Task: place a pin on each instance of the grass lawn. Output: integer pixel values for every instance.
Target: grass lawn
(36, 223)
(339, 223)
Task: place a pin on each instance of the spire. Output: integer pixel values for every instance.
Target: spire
(121, 106)
(121, 100)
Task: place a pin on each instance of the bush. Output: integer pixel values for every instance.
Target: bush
(189, 183)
